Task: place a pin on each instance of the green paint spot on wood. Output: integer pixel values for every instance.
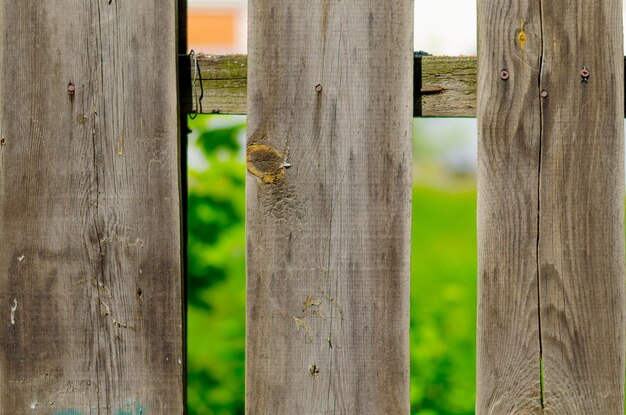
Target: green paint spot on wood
(129, 409)
(541, 382)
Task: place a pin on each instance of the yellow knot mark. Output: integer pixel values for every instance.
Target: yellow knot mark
(266, 163)
(521, 37)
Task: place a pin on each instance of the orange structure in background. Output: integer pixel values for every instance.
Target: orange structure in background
(210, 28)
(216, 26)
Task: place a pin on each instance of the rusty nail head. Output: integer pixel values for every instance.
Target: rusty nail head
(504, 74)
(318, 88)
(3, 141)
(71, 88)
(584, 73)
(544, 93)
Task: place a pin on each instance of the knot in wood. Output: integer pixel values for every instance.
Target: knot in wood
(266, 163)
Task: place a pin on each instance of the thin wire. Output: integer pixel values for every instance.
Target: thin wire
(197, 75)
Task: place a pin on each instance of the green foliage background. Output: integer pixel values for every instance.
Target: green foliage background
(443, 277)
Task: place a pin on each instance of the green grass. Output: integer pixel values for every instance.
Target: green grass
(443, 301)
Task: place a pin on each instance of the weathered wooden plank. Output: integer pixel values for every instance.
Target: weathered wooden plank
(224, 82)
(508, 345)
(449, 85)
(90, 260)
(328, 237)
(581, 229)
(456, 77)
(551, 191)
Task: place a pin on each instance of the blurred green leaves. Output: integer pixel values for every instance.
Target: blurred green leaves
(216, 267)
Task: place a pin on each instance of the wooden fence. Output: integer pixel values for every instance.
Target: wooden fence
(551, 208)
(91, 317)
(92, 196)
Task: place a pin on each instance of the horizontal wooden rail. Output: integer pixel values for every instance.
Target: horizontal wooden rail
(448, 85)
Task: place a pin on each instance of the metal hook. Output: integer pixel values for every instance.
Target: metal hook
(197, 75)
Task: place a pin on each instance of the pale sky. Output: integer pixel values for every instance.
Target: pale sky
(446, 27)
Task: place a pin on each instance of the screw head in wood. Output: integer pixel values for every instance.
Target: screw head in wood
(504, 74)
(544, 93)
(318, 88)
(71, 88)
(584, 74)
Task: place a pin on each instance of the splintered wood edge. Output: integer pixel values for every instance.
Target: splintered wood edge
(448, 85)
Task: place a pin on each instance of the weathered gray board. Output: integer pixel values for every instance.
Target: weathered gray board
(550, 208)
(328, 206)
(90, 267)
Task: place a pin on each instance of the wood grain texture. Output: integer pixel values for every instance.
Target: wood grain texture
(224, 80)
(581, 229)
(551, 191)
(224, 83)
(449, 85)
(328, 239)
(457, 78)
(90, 261)
(509, 119)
